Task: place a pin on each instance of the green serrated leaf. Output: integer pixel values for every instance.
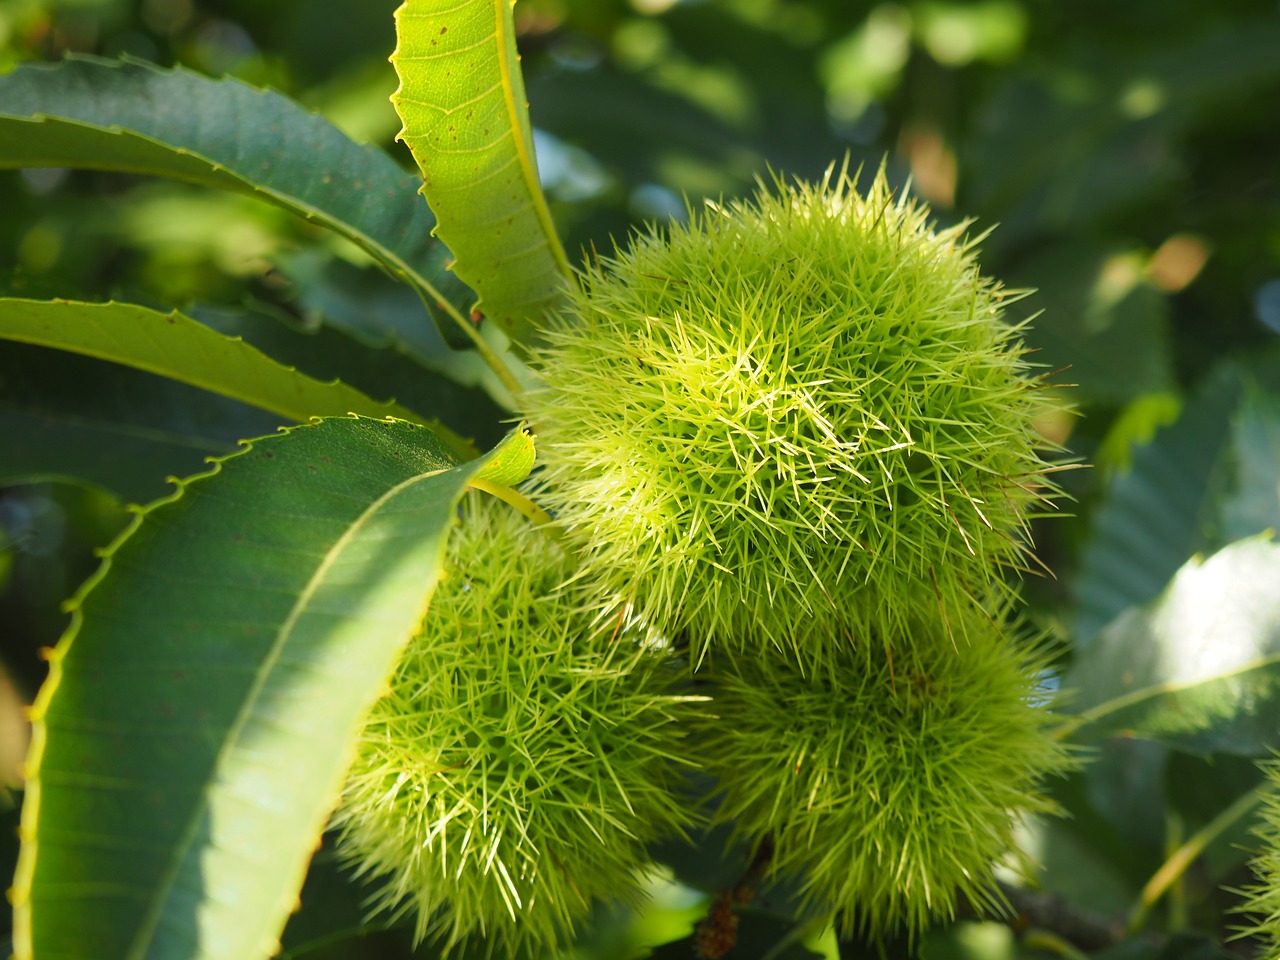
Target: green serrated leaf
(136, 118)
(1158, 514)
(175, 346)
(325, 351)
(71, 418)
(462, 101)
(1253, 504)
(1199, 669)
(201, 709)
(369, 306)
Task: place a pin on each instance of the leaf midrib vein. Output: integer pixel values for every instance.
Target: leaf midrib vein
(151, 920)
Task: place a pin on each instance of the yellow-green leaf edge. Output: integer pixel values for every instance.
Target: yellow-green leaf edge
(462, 102)
(500, 465)
(175, 346)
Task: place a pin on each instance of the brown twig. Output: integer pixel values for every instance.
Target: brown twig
(718, 933)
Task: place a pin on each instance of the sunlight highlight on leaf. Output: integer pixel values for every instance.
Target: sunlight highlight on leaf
(466, 122)
(1200, 668)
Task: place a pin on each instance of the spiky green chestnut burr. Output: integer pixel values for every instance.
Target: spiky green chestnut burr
(1262, 899)
(522, 757)
(792, 408)
(887, 789)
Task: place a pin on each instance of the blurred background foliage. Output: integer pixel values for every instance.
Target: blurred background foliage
(1125, 153)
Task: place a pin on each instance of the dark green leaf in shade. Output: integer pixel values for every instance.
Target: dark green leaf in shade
(202, 707)
(334, 921)
(327, 352)
(331, 910)
(1198, 669)
(1086, 860)
(1158, 514)
(137, 118)
(9, 807)
(73, 418)
(185, 350)
(380, 313)
(1115, 341)
(1126, 116)
(1186, 945)
(1194, 945)
(1131, 949)
(1125, 784)
(759, 935)
(691, 866)
(1252, 503)
(1200, 788)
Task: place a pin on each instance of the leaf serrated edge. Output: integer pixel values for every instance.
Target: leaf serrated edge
(516, 101)
(252, 697)
(519, 443)
(395, 265)
(389, 409)
(20, 891)
(517, 109)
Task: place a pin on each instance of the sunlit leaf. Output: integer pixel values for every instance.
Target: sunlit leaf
(466, 122)
(202, 708)
(1200, 668)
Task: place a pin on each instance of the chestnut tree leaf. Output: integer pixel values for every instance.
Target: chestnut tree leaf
(1200, 667)
(75, 419)
(133, 117)
(1159, 513)
(203, 706)
(1253, 503)
(177, 347)
(462, 101)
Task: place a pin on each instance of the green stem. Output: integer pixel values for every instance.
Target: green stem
(526, 506)
(1177, 897)
(1052, 943)
(491, 356)
(1176, 865)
